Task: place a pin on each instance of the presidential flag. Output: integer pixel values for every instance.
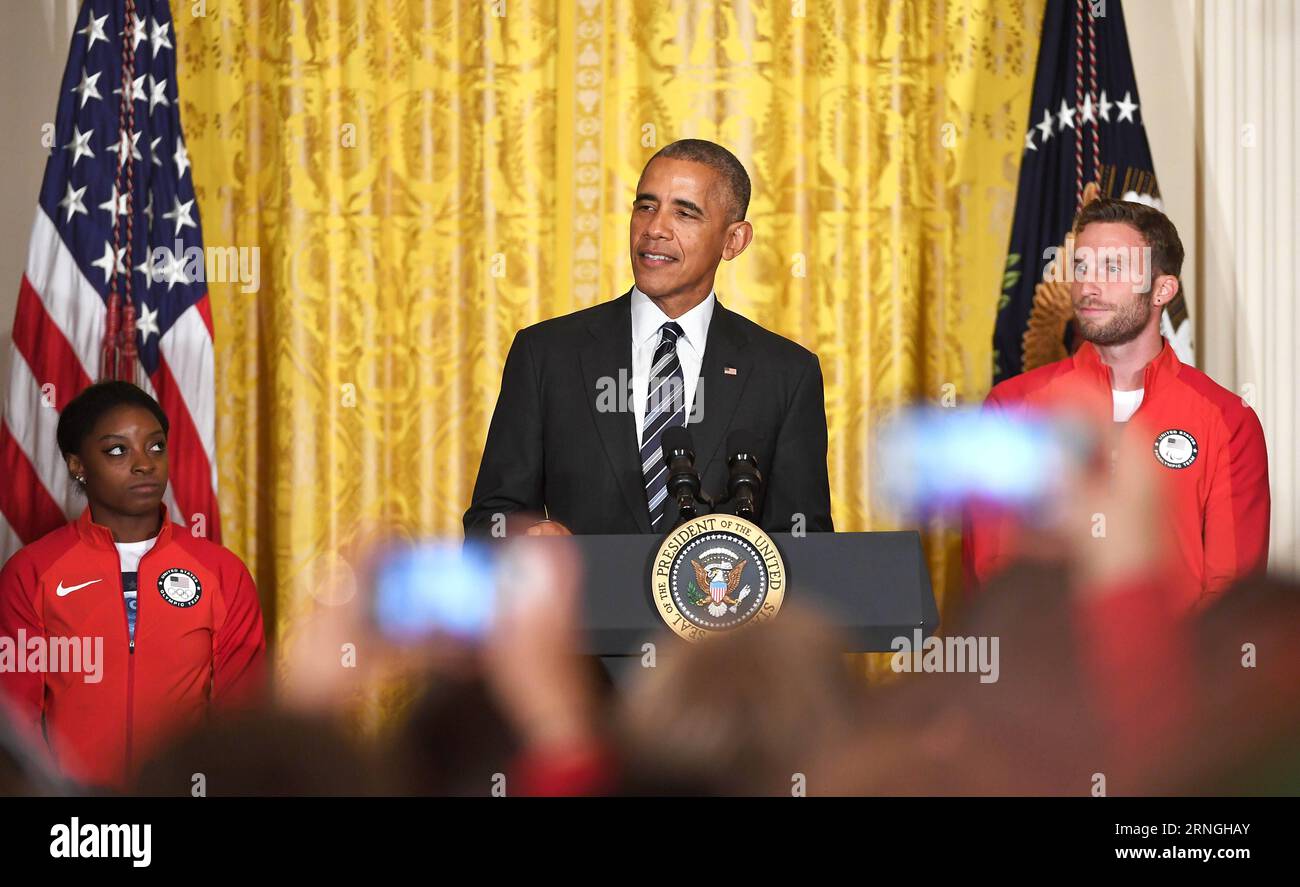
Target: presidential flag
(1085, 127)
(113, 285)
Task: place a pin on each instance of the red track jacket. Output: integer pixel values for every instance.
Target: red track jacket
(198, 641)
(1209, 445)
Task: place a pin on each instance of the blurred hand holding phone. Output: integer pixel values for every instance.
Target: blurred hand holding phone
(506, 609)
(424, 590)
(932, 462)
(514, 604)
(1056, 475)
(445, 589)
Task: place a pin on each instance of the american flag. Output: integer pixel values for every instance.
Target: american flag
(111, 288)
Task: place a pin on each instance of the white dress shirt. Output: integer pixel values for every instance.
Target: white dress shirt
(646, 321)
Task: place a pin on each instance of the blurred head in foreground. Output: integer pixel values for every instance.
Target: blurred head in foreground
(743, 713)
(1029, 733)
(266, 754)
(1243, 737)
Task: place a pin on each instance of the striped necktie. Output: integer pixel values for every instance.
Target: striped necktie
(665, 405)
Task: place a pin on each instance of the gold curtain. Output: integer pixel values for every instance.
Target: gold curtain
(424, 177)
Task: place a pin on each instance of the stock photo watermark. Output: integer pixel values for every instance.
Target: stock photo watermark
(617, 395)
(1110, 264)
(38, 654)
(948, 655)
(240, 265)
(87, 840)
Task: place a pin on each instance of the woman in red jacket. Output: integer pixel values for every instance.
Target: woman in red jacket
(122, 628)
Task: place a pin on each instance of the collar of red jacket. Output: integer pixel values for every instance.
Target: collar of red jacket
(100, 536)
(1162, 367)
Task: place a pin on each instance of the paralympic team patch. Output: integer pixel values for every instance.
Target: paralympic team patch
(1175, 448)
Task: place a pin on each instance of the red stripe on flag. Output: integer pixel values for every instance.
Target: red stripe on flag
(190, 470)
(46, 350)
(25, 501)
(205, 311)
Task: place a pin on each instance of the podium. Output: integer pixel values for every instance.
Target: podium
(873, 587)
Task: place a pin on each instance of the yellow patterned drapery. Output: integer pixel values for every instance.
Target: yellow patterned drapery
(424, 177)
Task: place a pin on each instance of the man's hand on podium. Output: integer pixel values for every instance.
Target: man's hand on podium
(548, 528)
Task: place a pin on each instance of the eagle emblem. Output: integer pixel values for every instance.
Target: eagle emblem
(717, 593)
(721, 583)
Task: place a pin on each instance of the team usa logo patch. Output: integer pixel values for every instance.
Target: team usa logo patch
(1175, 448)
(714, 574)
(180, 588)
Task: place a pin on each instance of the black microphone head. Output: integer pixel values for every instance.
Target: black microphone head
(742, 444)
(677, 442)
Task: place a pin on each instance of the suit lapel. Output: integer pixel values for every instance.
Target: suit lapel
(608, 356)
(720, 389)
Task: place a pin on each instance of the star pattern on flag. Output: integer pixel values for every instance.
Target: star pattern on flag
(114, 201)
(80, 145)
(138, 33)
(158, 36)
(106, 263)
(137, 89)
(147, 268)
(1046, 126)
(147, 323)
(172, 269)
(182, 157)
(1126, 108)
(90, 201)
(1065, 116)
(94, 30)
(72, 201)
(1089, 114)
(127, 146)
(87, 89)
(157, 93)
(181, 214)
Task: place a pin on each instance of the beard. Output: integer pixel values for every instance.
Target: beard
(1124, 324)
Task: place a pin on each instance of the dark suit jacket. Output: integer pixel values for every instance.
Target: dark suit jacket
(550, 446)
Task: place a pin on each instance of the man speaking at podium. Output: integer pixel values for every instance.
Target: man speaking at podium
(576, 437)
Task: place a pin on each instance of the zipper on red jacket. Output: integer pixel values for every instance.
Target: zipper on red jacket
(130, 706)
(130, 649)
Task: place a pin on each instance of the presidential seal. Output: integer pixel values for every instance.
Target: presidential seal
(714, 574)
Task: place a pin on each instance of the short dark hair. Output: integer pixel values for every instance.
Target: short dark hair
(718, 159)
(82, 412)
(1154, 226)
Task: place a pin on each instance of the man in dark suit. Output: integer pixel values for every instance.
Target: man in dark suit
(585, 398)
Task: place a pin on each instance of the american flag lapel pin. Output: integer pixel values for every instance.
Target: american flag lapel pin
(728, 371)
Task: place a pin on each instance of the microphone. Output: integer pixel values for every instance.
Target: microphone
(683, 479)
(744, 481)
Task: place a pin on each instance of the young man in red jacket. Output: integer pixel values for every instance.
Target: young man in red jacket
(121, 628)
(1207, 443)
